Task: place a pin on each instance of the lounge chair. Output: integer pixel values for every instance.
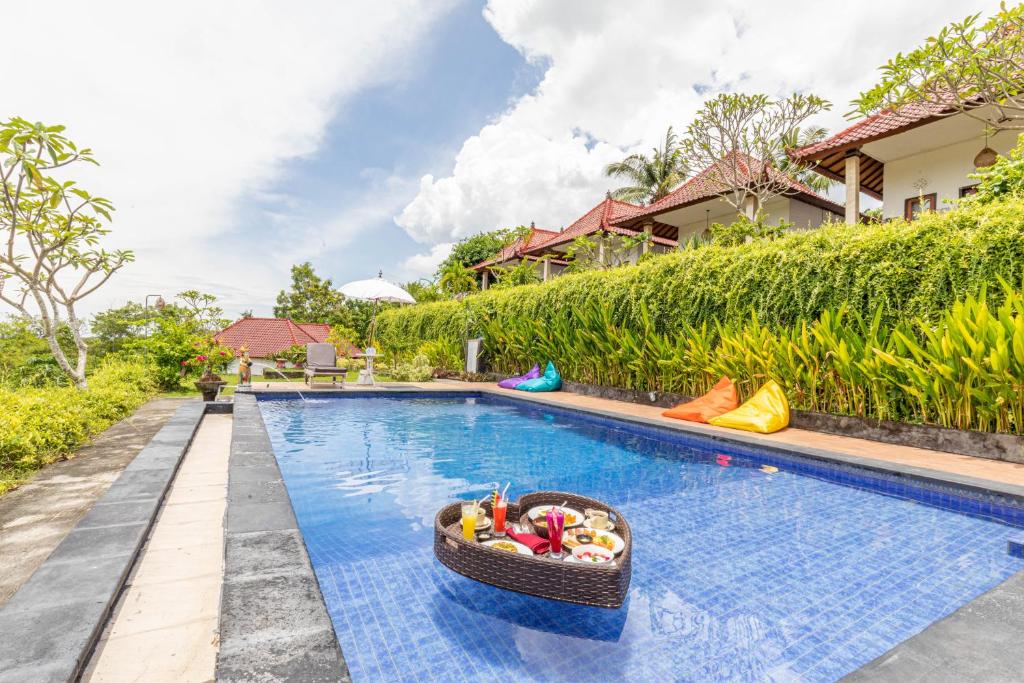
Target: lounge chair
(321, 361)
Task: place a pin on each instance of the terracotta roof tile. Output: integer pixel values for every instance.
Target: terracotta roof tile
(704, 186)
(518, 248)
(880, 125)
(267, 337)
(600, 218)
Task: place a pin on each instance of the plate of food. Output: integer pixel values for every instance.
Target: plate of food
(482, 522)
(592, 554)
(538, 516)
(508, 546)
(573, 538)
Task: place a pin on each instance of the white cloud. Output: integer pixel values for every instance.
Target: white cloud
(193, 107)
(618, 76)
(424, 265)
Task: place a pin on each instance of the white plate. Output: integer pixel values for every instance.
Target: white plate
(520, 548)
(597, 550)
(618, 545)
(482, 523)
(543, 510)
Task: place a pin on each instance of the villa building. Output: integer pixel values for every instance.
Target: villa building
(267, 338)
(518, 251)
(686, 212)
(691, 209)
(912, 159)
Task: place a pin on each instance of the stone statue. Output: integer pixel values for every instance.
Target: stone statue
(244, 368)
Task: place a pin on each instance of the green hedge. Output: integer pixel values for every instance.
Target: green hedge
(860, 320)
(909, 270)
(38, 426)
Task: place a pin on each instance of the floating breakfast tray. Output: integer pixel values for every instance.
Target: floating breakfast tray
(598, 585)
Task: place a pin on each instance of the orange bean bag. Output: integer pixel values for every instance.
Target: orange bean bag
(720, 400)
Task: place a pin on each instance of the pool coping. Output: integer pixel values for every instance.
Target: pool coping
(50, 626)
(960, 646)
(274, 623)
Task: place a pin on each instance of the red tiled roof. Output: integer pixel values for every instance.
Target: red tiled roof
(601, 218)
(704, 186)
(883, 124)
(518, 248)
(267, 337)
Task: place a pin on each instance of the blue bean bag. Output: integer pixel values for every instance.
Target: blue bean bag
(549, 381)
(513, 382)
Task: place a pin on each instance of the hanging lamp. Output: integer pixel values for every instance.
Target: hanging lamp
(987, 156)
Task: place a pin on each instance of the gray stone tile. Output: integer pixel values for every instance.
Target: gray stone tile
(47, 640)
(308, 655)
(258, 492)
(254, 474)
(82, 580)
(264, 551)
(243, 517)
(251, 459)
(271, 606)
(104, 541)
(113, 513)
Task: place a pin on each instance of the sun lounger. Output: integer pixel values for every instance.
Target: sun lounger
(320, 362)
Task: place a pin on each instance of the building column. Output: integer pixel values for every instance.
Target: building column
(547, 269)
(649, 231)
(750, 207)
(853, 187)
(486, 279)
(600, 249)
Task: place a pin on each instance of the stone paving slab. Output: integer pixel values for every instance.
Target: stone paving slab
(274, 624)
(51, 623)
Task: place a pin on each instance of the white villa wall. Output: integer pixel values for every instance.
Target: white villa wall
(805, 216)
(942, 171)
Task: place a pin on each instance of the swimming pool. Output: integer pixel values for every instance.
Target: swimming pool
(739, 573)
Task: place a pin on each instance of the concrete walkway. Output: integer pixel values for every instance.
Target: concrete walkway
(36, 517)
(164, 627)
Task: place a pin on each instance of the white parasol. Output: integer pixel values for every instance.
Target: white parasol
(377, 289)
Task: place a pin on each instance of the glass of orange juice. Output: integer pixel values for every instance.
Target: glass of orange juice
(499, 517)
(469, 512)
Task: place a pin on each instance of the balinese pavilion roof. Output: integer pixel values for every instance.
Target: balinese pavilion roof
(830, 154)
(517, 249)
(601, 218)
(705, 186)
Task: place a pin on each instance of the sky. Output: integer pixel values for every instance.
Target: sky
(239, 137)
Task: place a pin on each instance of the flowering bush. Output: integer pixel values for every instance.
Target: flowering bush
(211, 357)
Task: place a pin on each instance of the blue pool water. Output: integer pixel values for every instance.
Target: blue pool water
(738, 574)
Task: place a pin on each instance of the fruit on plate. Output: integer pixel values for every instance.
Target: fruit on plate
(592, 554)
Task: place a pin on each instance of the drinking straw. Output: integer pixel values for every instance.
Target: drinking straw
(505, 490)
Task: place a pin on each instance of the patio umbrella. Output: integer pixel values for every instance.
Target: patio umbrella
(376, 290)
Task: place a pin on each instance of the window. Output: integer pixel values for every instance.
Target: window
(915, 206)
(968, 190)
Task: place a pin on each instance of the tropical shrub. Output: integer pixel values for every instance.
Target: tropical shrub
(417, 370)
(38, 426)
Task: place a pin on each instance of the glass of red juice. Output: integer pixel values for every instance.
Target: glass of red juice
(556, 522)
(499, 517)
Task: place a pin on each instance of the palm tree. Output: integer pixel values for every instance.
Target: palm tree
(456, 279)
(650, 178)
(807, 175)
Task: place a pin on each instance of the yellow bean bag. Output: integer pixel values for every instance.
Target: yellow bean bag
(767, 411)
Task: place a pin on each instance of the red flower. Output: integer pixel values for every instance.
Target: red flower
(200, 358)
(184, 362)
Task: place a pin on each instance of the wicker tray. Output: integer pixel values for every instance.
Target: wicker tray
(600, 585)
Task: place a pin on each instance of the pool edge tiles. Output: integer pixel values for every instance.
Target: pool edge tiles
(951, 492)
